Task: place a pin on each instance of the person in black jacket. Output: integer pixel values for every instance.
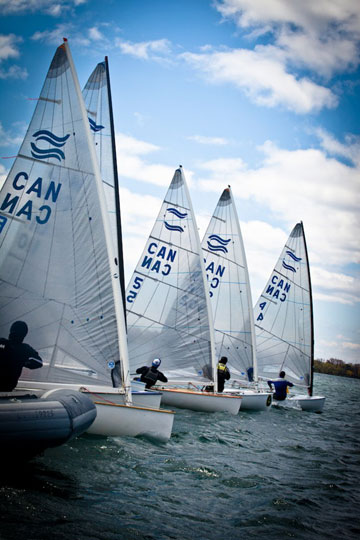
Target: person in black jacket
(223, 373)
(14, 355)
(150, 375)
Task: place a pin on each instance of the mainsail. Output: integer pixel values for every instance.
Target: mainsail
(228, 278)
(98, 103)
(167, 302)
(283, 316)
(57, 267)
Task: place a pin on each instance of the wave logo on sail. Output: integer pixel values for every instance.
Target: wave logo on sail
(179, 215)
(216, 243)
(294, 258)
(53, 140)
(94, 126)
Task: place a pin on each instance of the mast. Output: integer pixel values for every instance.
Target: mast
(119, 310)
(311, 316)
(206, 286)
(248, 291)
(120, 254)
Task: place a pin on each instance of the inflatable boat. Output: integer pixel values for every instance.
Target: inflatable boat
(30, 423)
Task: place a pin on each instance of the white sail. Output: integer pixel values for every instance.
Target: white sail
(230, 294)
(97, 99)
(57, 265)
(283, 316)
(167, 300)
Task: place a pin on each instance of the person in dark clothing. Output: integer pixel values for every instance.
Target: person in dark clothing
(250, 374)
(281, 385)
(223, 373)
(150, 375)
(14, 355)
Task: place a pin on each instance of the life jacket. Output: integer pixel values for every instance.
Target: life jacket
(222, 368)
(150, 376)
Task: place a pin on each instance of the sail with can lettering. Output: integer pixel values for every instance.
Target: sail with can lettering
(229, 289)
(57, 268)
(284, 321)
(166, 299)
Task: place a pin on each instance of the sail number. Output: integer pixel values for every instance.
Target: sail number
(136, 285)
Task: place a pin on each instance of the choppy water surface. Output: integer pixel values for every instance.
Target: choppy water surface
(282, 473)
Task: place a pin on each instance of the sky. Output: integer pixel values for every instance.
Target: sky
(262, 95)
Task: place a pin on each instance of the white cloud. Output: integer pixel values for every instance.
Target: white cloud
(145, 49)
(13, 72)
(9, 50)
(130, 152)
(302, 185)
(8, 139)
(3, 175)
(8, 46)
(352, 346)
(262, 75)
(95, 34)
(55, 36)
(217, 141)
(329, 27)
(350, 150)
(138, 214)
(50, 7)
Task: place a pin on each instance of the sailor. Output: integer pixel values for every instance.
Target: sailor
(281, 387)
(223, 373)
(150, 375)
(14, 355)
(250, 374)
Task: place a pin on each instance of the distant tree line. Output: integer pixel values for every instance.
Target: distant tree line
(334, 366)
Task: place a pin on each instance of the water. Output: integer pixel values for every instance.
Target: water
(277, 474)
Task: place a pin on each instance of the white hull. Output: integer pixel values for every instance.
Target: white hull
(200, 401)
(106, 394)
(129, 421)
(309, 403)
(252, 401)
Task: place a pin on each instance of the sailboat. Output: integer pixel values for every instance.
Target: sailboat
(58, 269)
(284, 322)
(168, 308)
(230, 296)
(98, 103)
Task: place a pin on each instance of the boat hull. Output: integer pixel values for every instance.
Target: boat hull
(200, 401)
(140, 398)
(30, 424)
(309, 403)
(114, 420)
(252, 401)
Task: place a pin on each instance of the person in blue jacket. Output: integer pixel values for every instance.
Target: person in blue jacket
(281, 385)
(14, 355)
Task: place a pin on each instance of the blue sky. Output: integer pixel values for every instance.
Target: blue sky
(259, 94)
